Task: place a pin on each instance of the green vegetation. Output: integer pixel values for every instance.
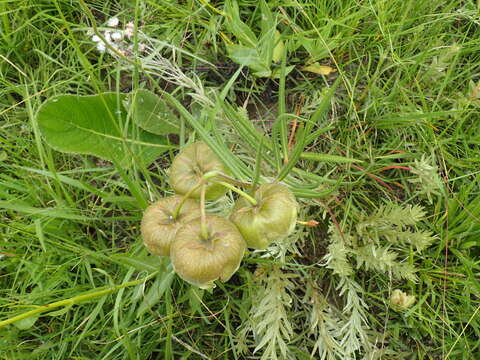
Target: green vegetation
(367, 110)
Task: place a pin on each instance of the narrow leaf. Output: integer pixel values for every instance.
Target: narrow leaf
(313, 156)
(145, 263)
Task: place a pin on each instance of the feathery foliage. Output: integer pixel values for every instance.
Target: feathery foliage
(324, 327)
(269, 320)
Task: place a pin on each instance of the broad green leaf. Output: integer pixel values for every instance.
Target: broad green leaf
(26, 323)
(249, 57)
(162, 283)
(277, 71)
(236, 26)
(316, 44)
(267, 21)
(244, 55)
(268, 39)
(263, 73)
(327, 158)
(152, 114)
(317, 49)
(96, 125)
(195, 296)
(279, 47)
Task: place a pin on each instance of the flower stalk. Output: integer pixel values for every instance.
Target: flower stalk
(204, 228)
(239, 192)
(202, 182)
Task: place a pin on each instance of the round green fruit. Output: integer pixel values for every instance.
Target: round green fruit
(272, 218)
(190, 165)
(158, 225)
(200, 262)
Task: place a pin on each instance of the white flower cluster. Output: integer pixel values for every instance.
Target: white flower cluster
(119, 41)
(116, 40)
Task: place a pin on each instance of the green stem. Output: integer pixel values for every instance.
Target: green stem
(233, 181)
(204, 228)
(184, 199)
(74, 300)
(204, 179)
(239, 192)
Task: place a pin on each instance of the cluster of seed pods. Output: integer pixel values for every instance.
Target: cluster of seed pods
(204, 247)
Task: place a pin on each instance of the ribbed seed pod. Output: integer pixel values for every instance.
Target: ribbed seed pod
(190, 165)
(158, 225)
(273, 218)
(200, 262)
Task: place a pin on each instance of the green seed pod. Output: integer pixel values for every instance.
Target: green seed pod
(201, 262)
(190, 165)
(273, 218)
(158, 225)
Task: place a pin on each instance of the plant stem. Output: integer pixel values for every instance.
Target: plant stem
(184, 199)
(239, 192)
(233, 181)
(204, 229)
(204, 179)
(74, 300)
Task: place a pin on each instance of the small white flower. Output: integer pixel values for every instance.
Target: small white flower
(128, 33)
(113, 22)
(107, 36)
(117, 36)
(129, 29)
(96, 38)
(101, 47)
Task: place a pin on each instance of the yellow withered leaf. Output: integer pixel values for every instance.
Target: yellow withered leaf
(319, 69)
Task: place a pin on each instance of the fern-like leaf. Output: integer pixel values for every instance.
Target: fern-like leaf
(428, 180)
(336, 257)
(382, 259)
(420, 239)
(394, 223)
(271, 326)
(393, 214)
(375, 258)
(324, 326)
(353, 331)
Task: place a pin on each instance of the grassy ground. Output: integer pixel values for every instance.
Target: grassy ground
(406, 105)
